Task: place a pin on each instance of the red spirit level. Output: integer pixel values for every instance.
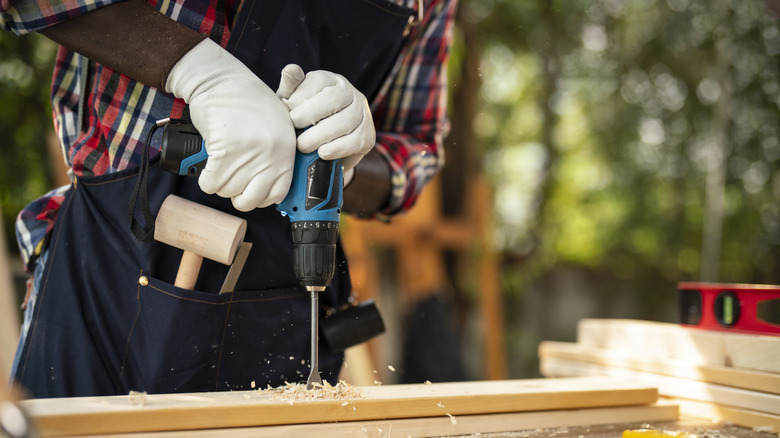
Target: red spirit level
(746, 308)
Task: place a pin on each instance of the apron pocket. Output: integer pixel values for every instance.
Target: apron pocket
(267, 339)
(191, 341)
(174, 342)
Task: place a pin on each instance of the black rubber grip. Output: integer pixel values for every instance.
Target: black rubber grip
(314, 251)
(351, 326)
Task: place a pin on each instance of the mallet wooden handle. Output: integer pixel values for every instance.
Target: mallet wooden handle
(201, 232)
(189, 268)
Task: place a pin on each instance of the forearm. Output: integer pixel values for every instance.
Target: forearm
(369, 190)
(129, 37)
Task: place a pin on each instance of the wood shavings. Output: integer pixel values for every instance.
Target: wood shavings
(439, 405)
(428, 382)
(391, 368)
(452, 418)
(137, 398)
(297, 392)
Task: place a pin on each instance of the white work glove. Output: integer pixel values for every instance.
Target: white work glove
(249, 136)
(336, 113)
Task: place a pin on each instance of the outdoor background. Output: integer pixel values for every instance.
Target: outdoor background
(629, 145)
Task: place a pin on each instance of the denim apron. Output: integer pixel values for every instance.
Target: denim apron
(108, 319)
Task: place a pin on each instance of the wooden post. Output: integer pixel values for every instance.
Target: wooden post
(491, 309)
(419, 238)
(9, 309)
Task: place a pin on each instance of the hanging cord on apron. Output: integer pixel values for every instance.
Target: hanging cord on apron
(145, 233)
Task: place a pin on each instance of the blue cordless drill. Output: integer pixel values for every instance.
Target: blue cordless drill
(313, 205)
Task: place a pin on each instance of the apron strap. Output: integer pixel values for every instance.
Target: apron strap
(141, 232)
(145, 233)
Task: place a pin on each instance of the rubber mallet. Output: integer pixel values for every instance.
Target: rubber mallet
(199, 231)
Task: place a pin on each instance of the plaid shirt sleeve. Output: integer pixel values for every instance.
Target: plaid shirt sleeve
(410, 109)
(35, 222)
(25, 16)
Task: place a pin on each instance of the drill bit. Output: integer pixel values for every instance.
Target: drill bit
(315, 380)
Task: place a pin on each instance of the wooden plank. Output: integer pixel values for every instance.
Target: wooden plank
(664, 340)
(741, 417)
(668, 386)
(441, 425)
(736, 377)
(118, 414)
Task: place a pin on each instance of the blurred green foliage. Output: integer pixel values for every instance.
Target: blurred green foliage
(632, 144)
(603, 120)
(25, 122)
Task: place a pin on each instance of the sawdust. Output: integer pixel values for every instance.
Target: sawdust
(137, 398)
(657, 432)
(297, 392)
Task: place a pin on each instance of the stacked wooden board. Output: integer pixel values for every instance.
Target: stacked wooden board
(718, 375)
(394, 410)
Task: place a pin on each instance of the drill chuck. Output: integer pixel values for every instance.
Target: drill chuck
(314, 251)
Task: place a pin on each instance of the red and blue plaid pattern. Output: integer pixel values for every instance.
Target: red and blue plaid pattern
(102, 127)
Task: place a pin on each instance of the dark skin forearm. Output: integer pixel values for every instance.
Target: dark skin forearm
(129, 37)
(369, 190)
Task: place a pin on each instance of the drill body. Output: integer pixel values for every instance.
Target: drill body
(313, 203)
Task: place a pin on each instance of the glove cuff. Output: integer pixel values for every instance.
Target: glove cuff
(348, 175)
(205, 65)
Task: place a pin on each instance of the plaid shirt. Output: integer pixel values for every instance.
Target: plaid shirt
(102, 128)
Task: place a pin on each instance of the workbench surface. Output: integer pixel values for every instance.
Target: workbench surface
(696, 426)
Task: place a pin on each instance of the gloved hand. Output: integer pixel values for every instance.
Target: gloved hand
(337, 114)
(249, 136)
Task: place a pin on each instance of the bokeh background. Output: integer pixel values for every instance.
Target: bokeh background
(622, 146)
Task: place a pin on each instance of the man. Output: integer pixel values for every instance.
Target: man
(103, 316)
